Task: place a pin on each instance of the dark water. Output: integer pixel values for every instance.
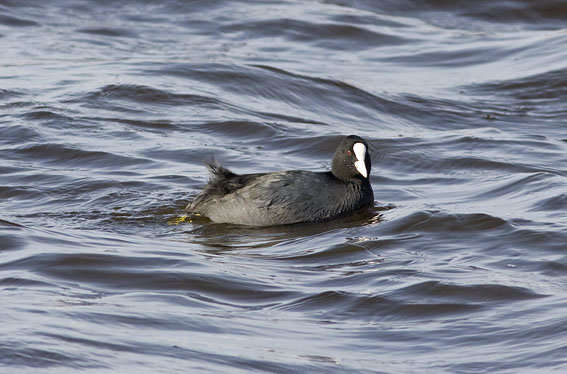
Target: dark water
(107, 110)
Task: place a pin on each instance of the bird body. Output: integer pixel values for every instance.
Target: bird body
(286, 197)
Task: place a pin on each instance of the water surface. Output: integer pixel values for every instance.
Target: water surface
(107, 111)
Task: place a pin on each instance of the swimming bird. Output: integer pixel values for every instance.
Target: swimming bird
(293, 196)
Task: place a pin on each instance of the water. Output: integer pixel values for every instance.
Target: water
(107, 110)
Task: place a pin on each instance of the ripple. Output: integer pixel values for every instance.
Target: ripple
(59, 154)
(11, 132)
(242, 130)
(323, 35)
(431, 221)
(122, 273)
(265, 83)
(477, 293)
(16, 21)
(541, 15)
(348, 305)
(142, 95)
(551, 204)
(9, 94)
(544, 86)
(107, 31)
(15, 355)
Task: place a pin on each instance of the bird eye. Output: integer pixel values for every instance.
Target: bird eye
(349, 153)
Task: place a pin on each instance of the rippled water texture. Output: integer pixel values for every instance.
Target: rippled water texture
(108, 109)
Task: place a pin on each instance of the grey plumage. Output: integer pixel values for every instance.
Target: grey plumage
(286, 197)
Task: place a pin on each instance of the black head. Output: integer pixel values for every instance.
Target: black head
(351, 162)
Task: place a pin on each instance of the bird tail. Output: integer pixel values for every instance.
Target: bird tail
(217, 170)
(222, 181)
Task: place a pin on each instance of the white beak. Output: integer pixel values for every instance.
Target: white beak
(360, 153)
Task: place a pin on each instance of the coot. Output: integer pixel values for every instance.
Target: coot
(285, 197)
